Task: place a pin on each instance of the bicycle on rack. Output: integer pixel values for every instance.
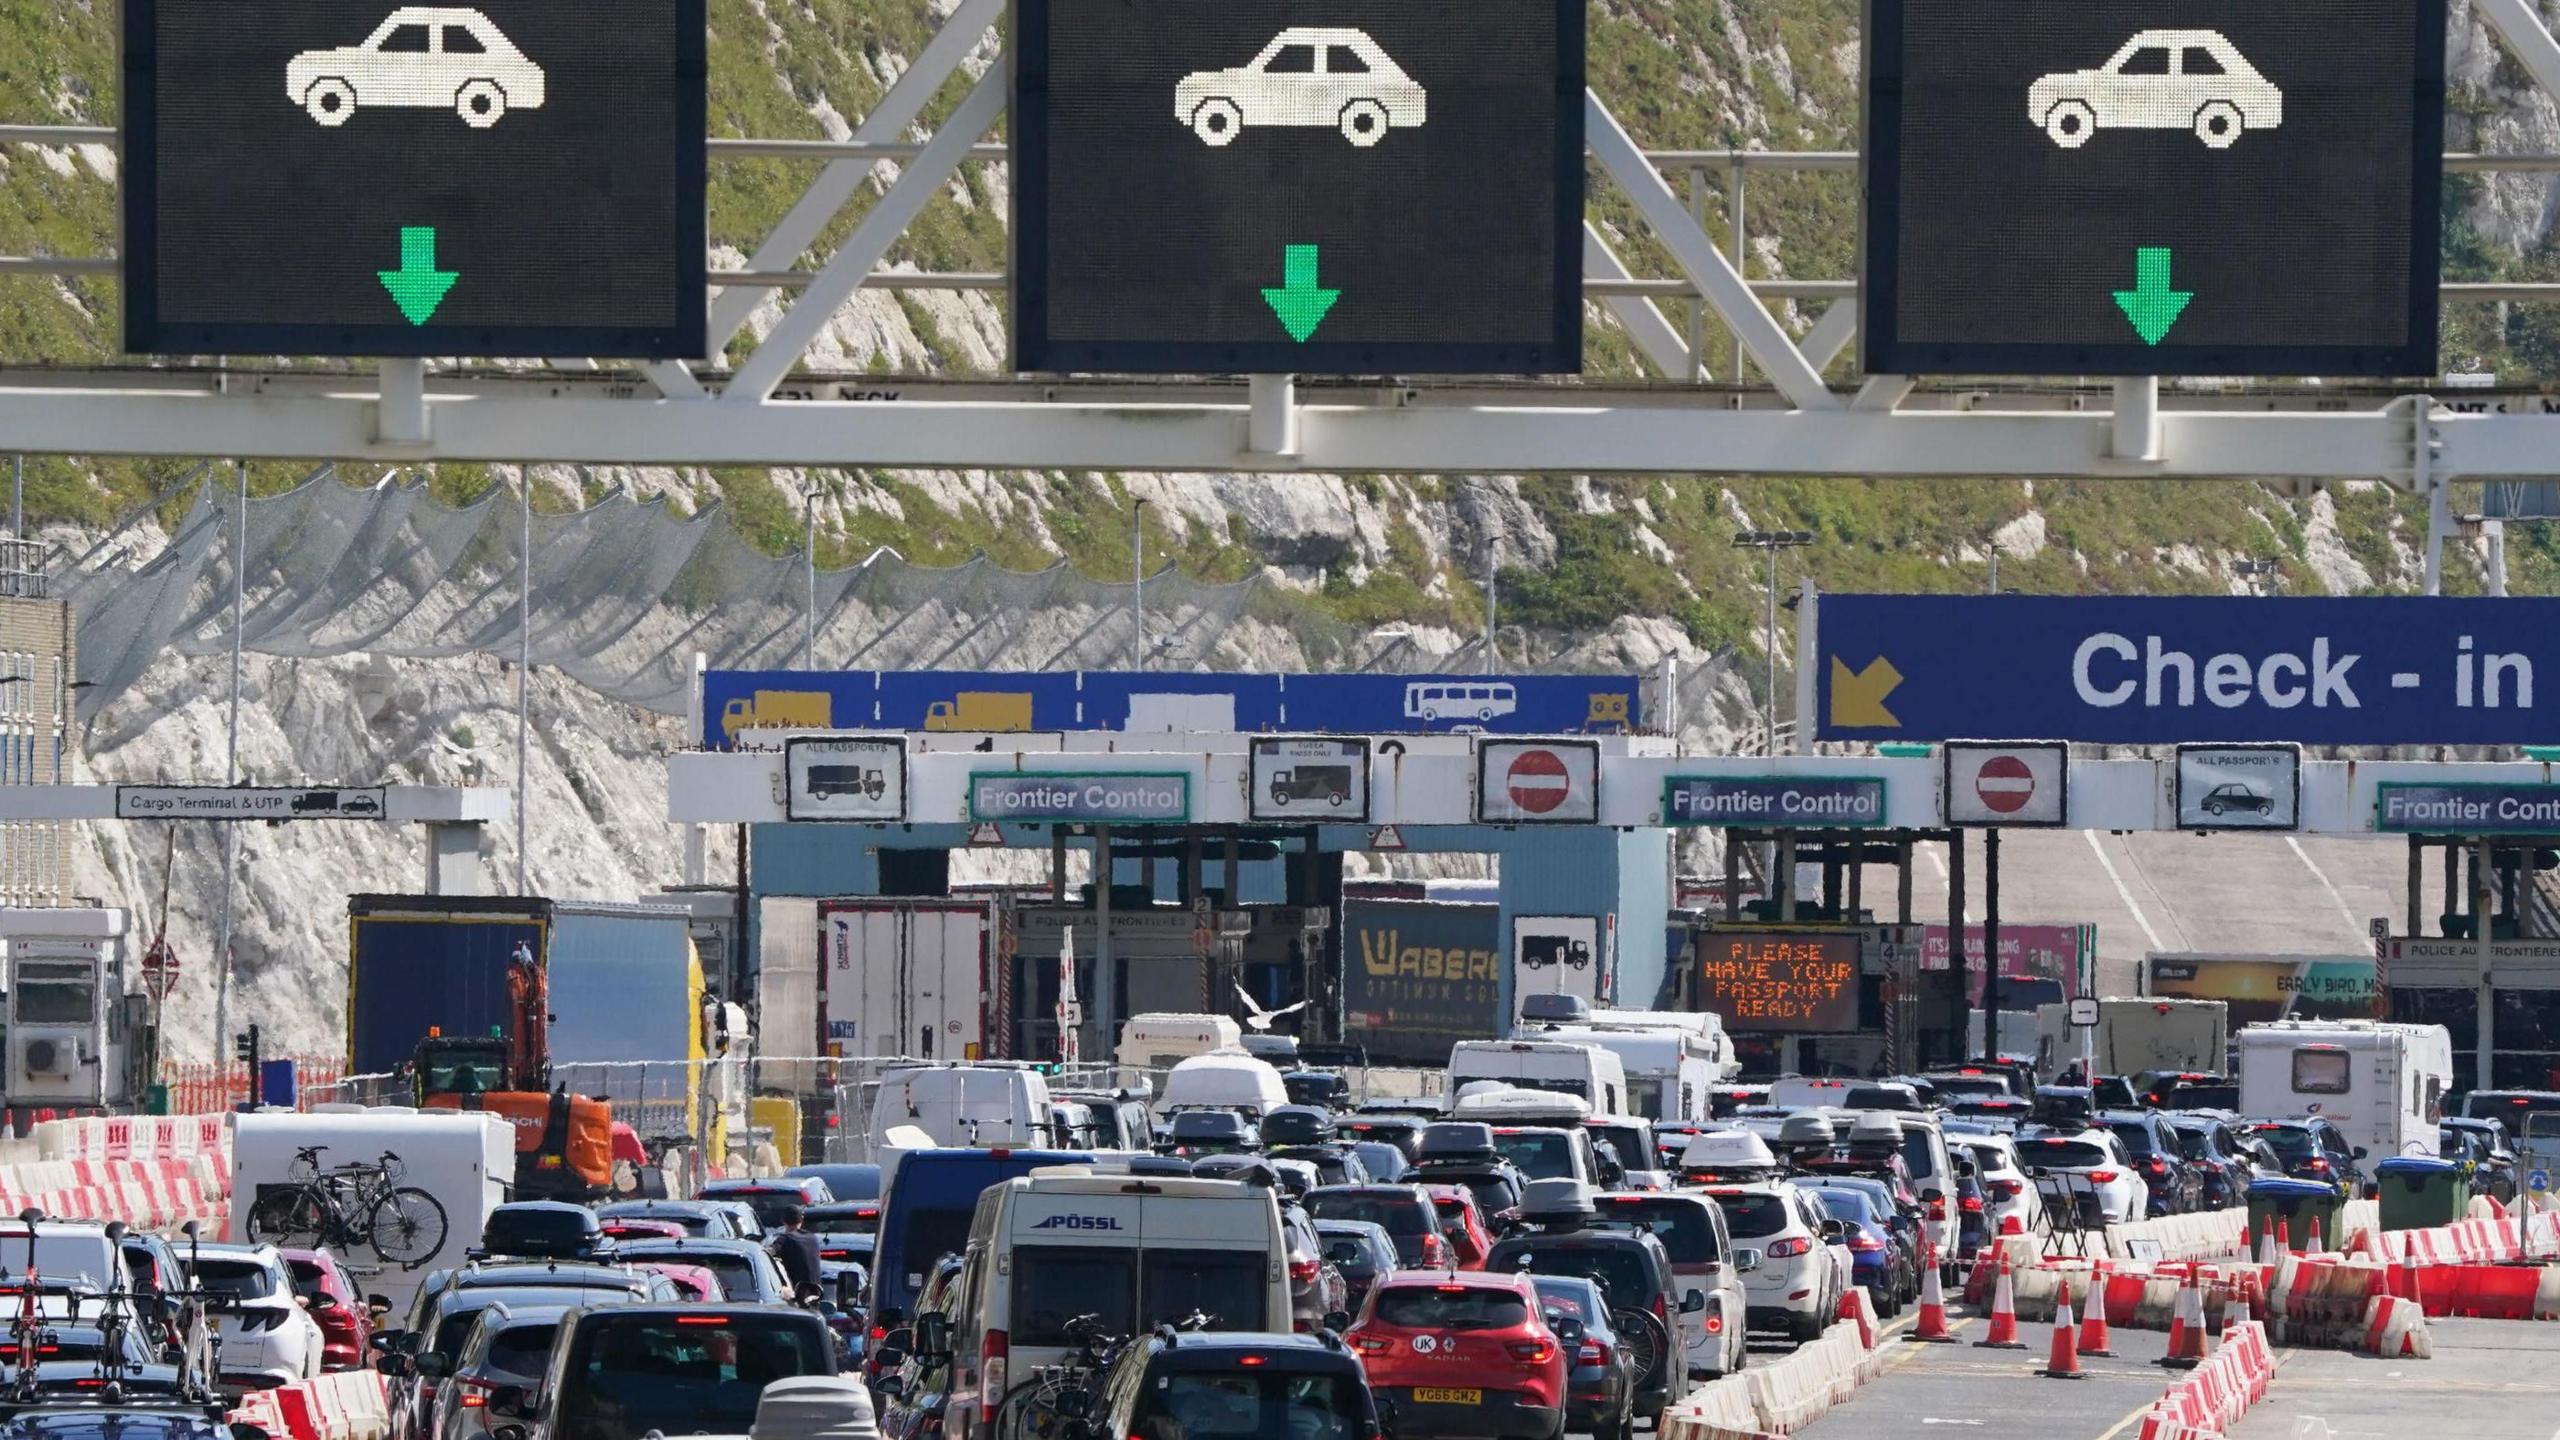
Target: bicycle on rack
(350, 1205)
(1061, 1399)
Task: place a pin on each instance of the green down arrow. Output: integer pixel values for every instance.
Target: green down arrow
(418, 287)
(2151, 305)
(1299, 304)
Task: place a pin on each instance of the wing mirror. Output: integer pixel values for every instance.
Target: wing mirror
(1745, 1261)
(509, 1402)
(933, 1336)
(1693, 1302)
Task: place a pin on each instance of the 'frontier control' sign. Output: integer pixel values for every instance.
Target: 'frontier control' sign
(1774, 802)
(1081, 799)
(2472, 808)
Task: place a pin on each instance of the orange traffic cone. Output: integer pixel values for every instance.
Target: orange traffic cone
(1931, 1327)
(2267, 1246)
(2186, 1328)
(2064, 1361)
(2094, 1339)
(2314, 1247)
(2409, 1273)
(2003, 1334)
(2284, 1236)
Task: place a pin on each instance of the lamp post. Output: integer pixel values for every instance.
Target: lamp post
(1137, 585)
(1773, 541)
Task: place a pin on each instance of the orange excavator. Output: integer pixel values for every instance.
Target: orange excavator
(564, 1142)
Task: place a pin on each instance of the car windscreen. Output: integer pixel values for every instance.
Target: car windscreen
(1539, 1154)
(1350, 1254)
(693, 1222)
(1919, 1156)
(454, 1327)
(1228, 1286)
(929, 1233)
(1248, 1405)
(1687, 1236)
(1450, 1307)
(680, 1374)
(2202, 1097)
(1624, 1273)
(1054, 1284)
(2192, 1144)
(770, 1205)
(2506, 1105)
(225, 1279)
(535, 1232)
(1402, 1215)
(849, 1220)
(2136, 1139)
(2289, 1142)
(521, 1349)
(740, 1278)
(2064, 1154)
(1754, 1216)
(1847, 1205)
(1978, 1087)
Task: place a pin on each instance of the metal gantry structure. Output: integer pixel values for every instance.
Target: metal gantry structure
(767, 410)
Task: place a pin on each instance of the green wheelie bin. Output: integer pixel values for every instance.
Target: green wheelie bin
(2420, 1192)
(2297, 1203)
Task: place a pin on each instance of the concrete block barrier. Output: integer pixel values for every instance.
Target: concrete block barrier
(1784, 1396)
(2215, 1394)
(346, 1405)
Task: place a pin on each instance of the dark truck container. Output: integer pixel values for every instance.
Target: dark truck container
(624, 984)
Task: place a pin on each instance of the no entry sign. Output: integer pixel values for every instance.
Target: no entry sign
(2006, 784)
(1537, 782)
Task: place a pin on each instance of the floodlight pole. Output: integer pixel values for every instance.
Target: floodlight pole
(1773, 541)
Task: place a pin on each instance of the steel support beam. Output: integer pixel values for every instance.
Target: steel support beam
(1653, 335)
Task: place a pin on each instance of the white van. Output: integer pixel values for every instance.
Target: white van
(2382, 1085)
(1670, 1072)
(1158, 1040)
(963, 1105)
(466, 1159)
(1136, 1251)
(1576, 1068)
(1226, 1080)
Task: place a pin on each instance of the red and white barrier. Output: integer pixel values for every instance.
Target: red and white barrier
(2215, 1394)
(346, 1405)
(1777, 1397)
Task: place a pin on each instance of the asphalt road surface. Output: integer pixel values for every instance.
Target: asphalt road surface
(2489, 1380)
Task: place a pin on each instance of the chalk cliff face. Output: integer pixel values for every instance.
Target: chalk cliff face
(1596, 572)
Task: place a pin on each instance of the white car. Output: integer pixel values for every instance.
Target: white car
(2095, 1162)
(429, 57)
(2008, 1192)
(268, 1337)
(2161, 80)
(1792, 1255)
(1307, 76)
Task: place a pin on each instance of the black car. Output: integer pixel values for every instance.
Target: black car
(1236, 1385)
(1600, 1374)
(1296, 1125)
(2483, 1145)
(2207, 1146)
(2064, 1107)
(1316, 1087)
(2175, 1189)
(2312, 1148)
(1403, 1211)
(1361, 1250)
(1634, 1274)
(1335, 1161)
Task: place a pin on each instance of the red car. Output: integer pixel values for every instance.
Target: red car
(1461, 1224)
(1462, 1354)
(329, 1293)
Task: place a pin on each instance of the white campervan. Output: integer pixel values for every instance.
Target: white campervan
(1669, 1069)
(1225, 1080)
(1158, 1040)
(1135, 1251)
(963, 1105)
(2382, 1085)
(1573, 1067)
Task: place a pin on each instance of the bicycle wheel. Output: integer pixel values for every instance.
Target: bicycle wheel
(1647, 1341)
(407, 1226)
(299, 1218)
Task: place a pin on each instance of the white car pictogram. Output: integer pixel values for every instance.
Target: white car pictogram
(2161, 80)
(1307, 76)
(423, 57)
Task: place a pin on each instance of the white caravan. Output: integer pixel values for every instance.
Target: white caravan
(2382, 1085)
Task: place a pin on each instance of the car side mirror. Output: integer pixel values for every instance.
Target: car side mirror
(1568, 1329)
(508, 1402)
(893, 1386)
(1337, 1321)
(432, 1366)
(322, 1301)
(1746, 1261)
(1833, 1229)
(933, 1336)
(384, 1340)
(1693, 1302)
(394, 1364)
(2356, 1154)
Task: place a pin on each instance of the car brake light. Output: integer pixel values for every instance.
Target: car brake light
(879, 1332)
(992, 1350)
(1371, 1344)
(702, 1319)
(1788, 1248)
(1865, 1244)
(2006, 1189)
(1302, 1272)
(1937, 1207)
(2103, 1177)
(1591, 1353)
(471, 1393)
(1533, 1352)
(2317, 1164)
(1715, 1323)
(1973, 1204)
(866, 1212)
(1249, 1361)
